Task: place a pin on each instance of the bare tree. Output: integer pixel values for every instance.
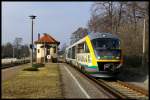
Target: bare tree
(122, 18)
(78, 34)
(105, 10)
(17, 45)
(7, 50)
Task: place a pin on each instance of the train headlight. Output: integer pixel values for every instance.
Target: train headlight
(117, 57)
(98, 57)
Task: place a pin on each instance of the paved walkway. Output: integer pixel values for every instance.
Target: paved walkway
(76, 86)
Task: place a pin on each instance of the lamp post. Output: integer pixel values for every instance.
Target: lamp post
(143, 51)
(143, 58)
(32, 17)
(44, 52)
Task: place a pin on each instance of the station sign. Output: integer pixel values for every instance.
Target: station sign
(48, 56)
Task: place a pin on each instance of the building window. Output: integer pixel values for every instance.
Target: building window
(38, 50)
(48, 52)
(54, 49)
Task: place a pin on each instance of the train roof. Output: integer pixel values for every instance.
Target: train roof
(94, 35)
(102, 35)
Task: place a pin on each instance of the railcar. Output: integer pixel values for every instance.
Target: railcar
(97, 54)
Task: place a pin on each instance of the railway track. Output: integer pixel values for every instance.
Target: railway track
(123, 90)
(120, 89)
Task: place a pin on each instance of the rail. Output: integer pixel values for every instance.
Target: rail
(123, 90)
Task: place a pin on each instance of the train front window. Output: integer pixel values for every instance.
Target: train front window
(106, 48)
(105, 43)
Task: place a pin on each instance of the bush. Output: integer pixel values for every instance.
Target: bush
(134, 61)
(37, 65)
(31, 69)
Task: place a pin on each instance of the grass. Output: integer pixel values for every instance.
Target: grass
(31, 69)
(38, 65)
(44, 83)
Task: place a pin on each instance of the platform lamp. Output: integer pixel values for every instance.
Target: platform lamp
(144, 29)
(31, 46)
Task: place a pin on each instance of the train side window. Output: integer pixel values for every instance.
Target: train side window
(86, 49)
(73, 52)
(69, 53)
(80, 48)
(66, 52)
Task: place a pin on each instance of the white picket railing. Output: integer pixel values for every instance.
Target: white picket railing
(10, 60)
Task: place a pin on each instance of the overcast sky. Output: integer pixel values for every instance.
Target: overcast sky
(59, 19)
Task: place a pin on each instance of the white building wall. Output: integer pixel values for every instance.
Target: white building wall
(41, 53)
(51, 51)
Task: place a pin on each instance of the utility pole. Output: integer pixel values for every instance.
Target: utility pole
(32, 17)
(143, 57)
(44, 52)
(13, 52)
(143, 34)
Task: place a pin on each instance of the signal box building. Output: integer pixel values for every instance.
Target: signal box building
(46, 48)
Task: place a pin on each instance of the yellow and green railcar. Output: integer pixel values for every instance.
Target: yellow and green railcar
(97, 54)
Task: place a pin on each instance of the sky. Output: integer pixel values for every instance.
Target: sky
(59, 19)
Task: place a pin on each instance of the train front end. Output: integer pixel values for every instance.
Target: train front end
(107, 55)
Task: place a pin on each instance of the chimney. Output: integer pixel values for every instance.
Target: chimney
(38, 36)
(45, 33)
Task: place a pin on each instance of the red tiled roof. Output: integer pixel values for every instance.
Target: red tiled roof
(47, 38)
